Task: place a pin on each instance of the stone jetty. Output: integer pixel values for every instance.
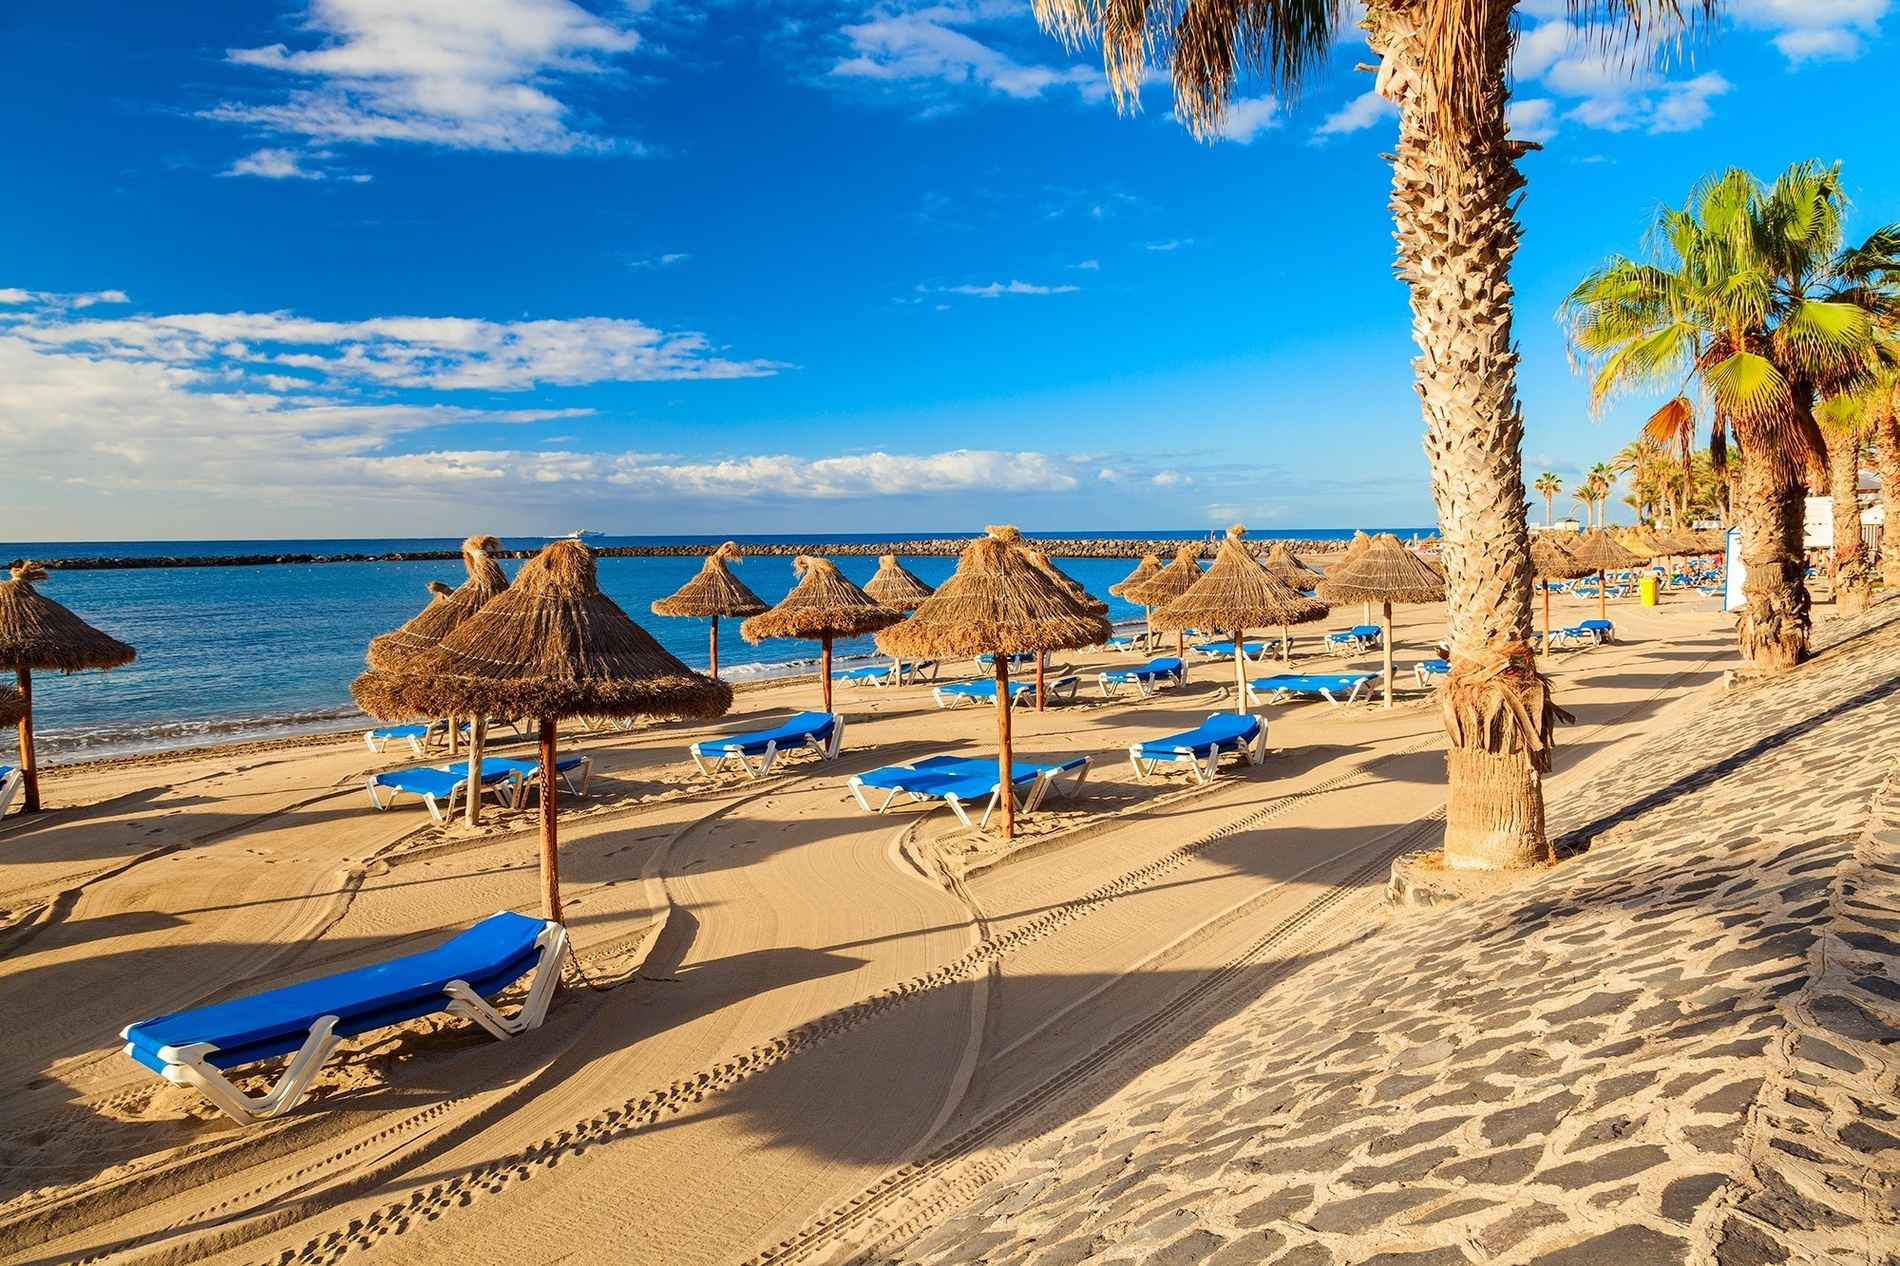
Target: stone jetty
(1682, 1045)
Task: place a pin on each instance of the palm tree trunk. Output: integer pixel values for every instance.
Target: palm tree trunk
(1457, 235)
(1769, 499)
(1887, 456)
(1852, 580)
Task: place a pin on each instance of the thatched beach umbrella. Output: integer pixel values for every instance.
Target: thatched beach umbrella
(1283, 563)
(1149, 569)
(1165, 586)
(12, 706)
(896, 586)
(1552, 562)
(446, 611)
(550, 646)
(822, 607)
(1385, 572)
(1088, 601)
(714, 592)
(1359, 544)
(1599, 552)
(998, 603)
(1237, 593)
(39, 635)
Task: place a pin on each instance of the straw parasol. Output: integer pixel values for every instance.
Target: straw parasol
(1552, 562)
(896, 586)
(1088, 601)
(1359, 544)
(12, 706)
(550, 646)
(39, 635)
(1285, 564)
(1385, 572)
(1599, 551)
(1237, 593)
(447, 610)
(714, 592)
(1165, 586)
(821, 607)
(998, 603)
(1149, 569)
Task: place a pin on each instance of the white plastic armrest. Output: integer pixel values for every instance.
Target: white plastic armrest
(464, 1001)
(187, 1066)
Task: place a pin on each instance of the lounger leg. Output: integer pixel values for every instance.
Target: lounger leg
(1134, 758)
(837, 739)
(186, 1066)
(770, 756)
(956, 807)
(534, 1008)
(376, 799)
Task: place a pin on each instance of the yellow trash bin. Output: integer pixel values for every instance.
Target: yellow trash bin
(1646, 587)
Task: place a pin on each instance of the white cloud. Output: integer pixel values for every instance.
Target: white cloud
(14, 296)
(273, 164)
(281, 352)
(1358, 114)
(1089, 265)
(1532, 118)
(931, 45)
(1604, 91)
(1248, 117)
(997, 289)
(468, 74)
(1810, 30)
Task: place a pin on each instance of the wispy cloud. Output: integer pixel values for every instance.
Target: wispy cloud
(997, 289)
(1810, 30)
(281, 352)
(1577, 65)
(465, 74)
(1362, 112)
(273, 164)
(1248, 117)
(957, 45)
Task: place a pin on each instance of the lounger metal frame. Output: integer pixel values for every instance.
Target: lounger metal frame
(188, 1065)
(827, 750)
(1282, 693)
(1147, 757)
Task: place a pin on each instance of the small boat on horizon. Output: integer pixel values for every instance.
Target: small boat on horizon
(578, 534)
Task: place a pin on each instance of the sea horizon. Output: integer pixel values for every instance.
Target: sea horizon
(236, 653)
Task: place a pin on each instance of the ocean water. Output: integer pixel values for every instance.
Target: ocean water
(234, 653)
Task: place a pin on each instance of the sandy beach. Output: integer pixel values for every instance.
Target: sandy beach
(775, 998)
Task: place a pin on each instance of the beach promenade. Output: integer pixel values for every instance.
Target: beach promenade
(797, 1029)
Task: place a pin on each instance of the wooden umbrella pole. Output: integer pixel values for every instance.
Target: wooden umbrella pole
(1603, 583)
(1546, 584)
(824, 669)
(1385, 640)
(1039, 678)
(715, 648)
(1005, 759)
(1286, 644)
(477, 740)
(455, 735)
(29, 766)
(1240, 676)
(1180, 652)
(550, 850)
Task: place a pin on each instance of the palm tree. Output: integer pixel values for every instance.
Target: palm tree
(1455, 185)
(1548, 486)
(1883, 419)
(1750, 301)
(1847, 428)
(1602, 481)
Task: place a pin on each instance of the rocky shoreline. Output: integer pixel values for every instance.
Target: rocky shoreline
(941, 546)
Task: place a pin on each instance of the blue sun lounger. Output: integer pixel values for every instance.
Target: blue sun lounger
(1601, 630)
(755, 753)
(309, 1021)
(417, 736)
(957, 693)
(1225, 650)
(1200, 748)
(869, 675)
(438, 787)
(528, 772)
(1327, 686)
(1150, 677)
(963, 781)
(1016, 658)
(10, 779)
(1355, 640)
(1427, 669)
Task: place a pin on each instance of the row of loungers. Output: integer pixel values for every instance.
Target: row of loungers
(439, 786)
(463, 977)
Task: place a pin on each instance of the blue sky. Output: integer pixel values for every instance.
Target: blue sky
(375, 267)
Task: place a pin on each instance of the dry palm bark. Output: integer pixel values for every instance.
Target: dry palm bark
(1453, 190)
(1769, 496)
(1886, 427)
(1853, 579)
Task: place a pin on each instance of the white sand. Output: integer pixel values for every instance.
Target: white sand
(777, 996)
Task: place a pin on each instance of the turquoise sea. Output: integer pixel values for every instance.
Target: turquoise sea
(234, 653)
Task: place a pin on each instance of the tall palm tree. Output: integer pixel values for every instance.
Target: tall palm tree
(1883, 419)
(1637, 461)
(1548, 486)
(1455, 184)
(1750, 301)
